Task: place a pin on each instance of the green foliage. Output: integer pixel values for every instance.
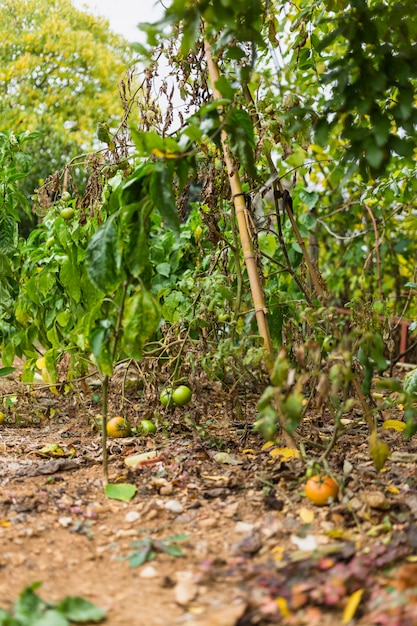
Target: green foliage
(372, 79)
(59, 71)
(148, 548)
(29, 609)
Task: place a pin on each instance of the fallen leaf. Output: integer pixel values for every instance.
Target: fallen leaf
(227, 459)
(226, 616)
(306, 515)
(283, 607)
(51, 449)
(121, 491)
(145, 458)
(395, 425)
(285, 453)
(352, 606)
(378, 450)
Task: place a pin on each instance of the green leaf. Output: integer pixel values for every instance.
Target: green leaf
(141, 316)
(310, 198)
(139, 557)
(79, 610)
(162, 194)
(28, 605)
(100, 345)
(103, 258)
(69, 275)
(120, 491)
(5, 371)
(51, 617)
(373, 154)
(241, 138)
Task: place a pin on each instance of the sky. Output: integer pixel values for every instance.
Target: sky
(124, 15)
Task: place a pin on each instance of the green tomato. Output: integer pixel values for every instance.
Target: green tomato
(182, 395)
(147, 427)
(166, 398)
(329, 343)
(67, 213)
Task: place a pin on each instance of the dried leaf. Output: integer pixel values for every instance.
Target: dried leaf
(306, 515)
(227, 459)
(141, 459)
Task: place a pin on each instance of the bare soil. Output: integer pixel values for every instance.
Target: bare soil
(255, 552)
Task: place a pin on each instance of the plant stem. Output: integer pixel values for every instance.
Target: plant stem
(104, 411)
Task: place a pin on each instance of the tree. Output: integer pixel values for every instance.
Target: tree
(59, 75)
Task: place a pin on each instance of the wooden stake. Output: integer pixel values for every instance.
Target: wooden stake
(242, 217)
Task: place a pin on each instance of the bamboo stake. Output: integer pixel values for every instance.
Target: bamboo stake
(242, 218)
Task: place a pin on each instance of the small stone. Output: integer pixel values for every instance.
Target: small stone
(166, 490)
(376, 500)
(132, 516)
(208, 522)
(185, 590)
(65, 521)
(173, 506)
(148, 571)
(243, 527)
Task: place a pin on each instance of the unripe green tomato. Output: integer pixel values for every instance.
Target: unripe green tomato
(147, 427)
(49, 242)
(182, 395)
(329, 343)
(66, 196)
(166, 397)
(67, 213)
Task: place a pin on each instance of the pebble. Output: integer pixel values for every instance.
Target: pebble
(65, 521)
(132, 516)
(208, 522)
(185, 590)
(174, 506)
(148, 571)
(243, 527)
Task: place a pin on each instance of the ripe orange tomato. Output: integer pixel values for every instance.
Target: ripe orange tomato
(118, 427)
(321, 489)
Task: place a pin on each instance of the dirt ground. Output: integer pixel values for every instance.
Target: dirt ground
(254, 550)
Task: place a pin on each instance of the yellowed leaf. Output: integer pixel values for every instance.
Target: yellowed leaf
(278, 553)
(395, 425)
(393, 489)
(267, 445)
(283, 606)
(248, 451)
(41, 363)
(51, 449)
(286, 453)
(352, 606)
(4, 523)
(378, 450)
(138, 459)
(306, 515)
